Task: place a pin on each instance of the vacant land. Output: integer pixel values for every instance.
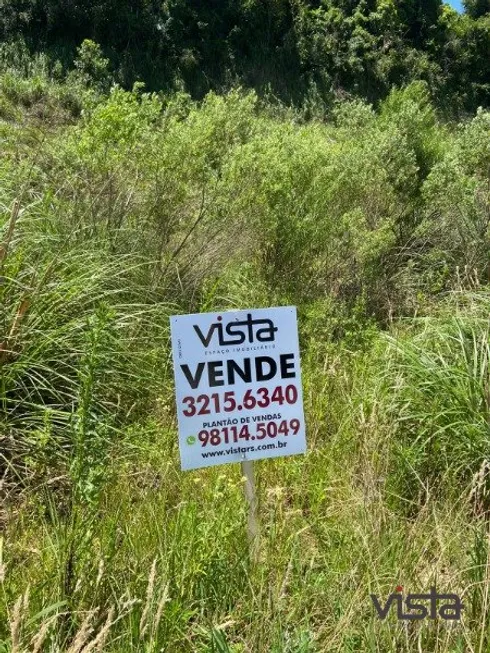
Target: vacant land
(120, 208)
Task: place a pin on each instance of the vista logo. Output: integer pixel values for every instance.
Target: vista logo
(237, 332)
(420, 606)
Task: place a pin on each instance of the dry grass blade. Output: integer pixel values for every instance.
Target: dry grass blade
(149, 595)
(97, 644)
(83, 633)
(14, 216)
(16, 624)
(3, 566)
(21, 311)
(164, 599)
(38, 640)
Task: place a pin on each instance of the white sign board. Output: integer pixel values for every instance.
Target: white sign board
(238, 386)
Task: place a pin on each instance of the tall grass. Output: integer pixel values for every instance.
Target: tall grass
(148, 206)
(439, 385)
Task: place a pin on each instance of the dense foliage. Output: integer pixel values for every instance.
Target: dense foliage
(299, 50)
(119, 208)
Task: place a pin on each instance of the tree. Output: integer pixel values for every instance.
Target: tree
(476, 8)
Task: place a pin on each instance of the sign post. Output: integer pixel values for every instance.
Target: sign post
(238, 390)
(247, 467)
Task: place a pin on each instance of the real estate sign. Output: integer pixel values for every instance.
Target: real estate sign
(238, 386)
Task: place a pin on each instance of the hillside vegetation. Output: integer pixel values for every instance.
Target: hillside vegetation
(302, 51)
(121, 207)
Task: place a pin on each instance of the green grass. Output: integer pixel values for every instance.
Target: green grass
(144, 207)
